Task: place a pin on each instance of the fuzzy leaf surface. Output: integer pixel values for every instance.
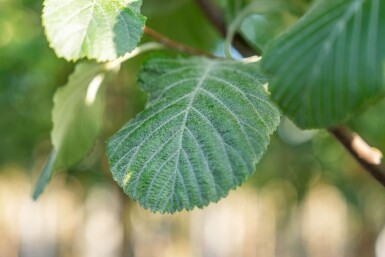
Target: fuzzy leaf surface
(329, 65)
(206, 125)
(95, 29)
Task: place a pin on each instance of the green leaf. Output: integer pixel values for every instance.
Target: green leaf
(78, 113)
(328, 66)
(206, 125)
(95, 29)
(77, 119)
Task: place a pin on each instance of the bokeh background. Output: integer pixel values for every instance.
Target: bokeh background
(307, 196)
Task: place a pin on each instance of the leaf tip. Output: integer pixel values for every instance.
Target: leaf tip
(45, 176)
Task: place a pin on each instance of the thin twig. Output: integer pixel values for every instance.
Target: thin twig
(176, 45)
(369, 158)
(216, 17)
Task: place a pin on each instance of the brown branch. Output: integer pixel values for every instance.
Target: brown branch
(214, 15)
(369, 158)
(217, 19)
(176, 45)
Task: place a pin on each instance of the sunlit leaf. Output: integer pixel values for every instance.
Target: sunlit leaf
(78, 114)
(95, 29)
(77, 120)
(206, 125)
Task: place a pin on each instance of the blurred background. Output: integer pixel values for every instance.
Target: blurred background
(307, 196)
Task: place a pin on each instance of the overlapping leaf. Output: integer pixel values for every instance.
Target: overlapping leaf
(95, 29)
(206, 125)
(77, 119)
(78, 114)
(329, 65)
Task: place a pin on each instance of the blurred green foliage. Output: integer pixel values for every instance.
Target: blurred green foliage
(29, 74)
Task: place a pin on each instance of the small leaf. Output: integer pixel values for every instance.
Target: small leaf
(77, 119)
(95, 29)
(206, 125)
(78, 114)
(328, 66)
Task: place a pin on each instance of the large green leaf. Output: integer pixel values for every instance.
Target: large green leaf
(95, 29)
(206, 125)
(329, 65)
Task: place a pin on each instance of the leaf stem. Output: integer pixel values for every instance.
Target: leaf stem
(259, 7)
(176, 45)
(217, 19)
(137, 51)
(369, 158)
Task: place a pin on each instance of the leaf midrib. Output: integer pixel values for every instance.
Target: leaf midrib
(192, 97)
(87, 27)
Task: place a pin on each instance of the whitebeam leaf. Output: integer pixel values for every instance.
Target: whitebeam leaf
(329, 65)
(77, 119)
(95, 29)
(78, 113)
(206, 125)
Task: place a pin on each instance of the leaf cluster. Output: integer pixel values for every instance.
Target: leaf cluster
(208, 122)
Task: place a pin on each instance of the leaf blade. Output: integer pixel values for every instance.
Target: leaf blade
(188, 147)
(102, 30)
(77, 113)
(326, 68)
